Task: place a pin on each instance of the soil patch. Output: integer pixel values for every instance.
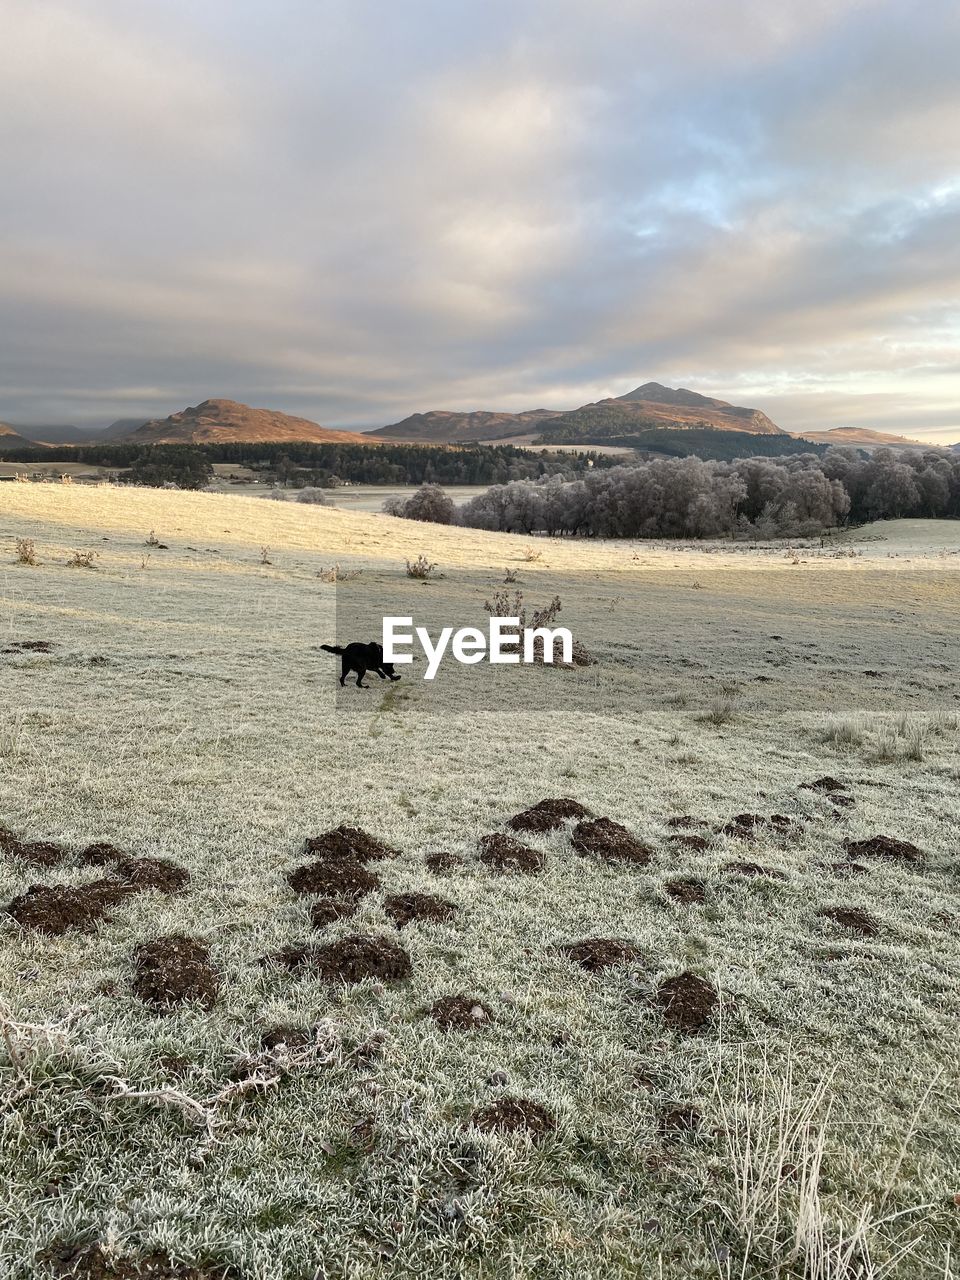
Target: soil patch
(91, 1262)
(29, 646)
(594, 954)
(747, 826)
(327, 911)
(845, 870)
(687, 1001)
(687, 890)
(695, 843)
(56, 909)
(548, 815)
(286, 1037)
(506, 854)
(442, 861)
(38, 853)
(888, 848)
(101, 854)
(336, 878)
(404, 907)
(679, 1122)
(684, 822)
(514, 1115)
(348, 842)
(853, 918)
(173, 969)
(360, 956)
(610, 842)
(153, 873)
(460, 1013)
(826, 784)
(754, 869)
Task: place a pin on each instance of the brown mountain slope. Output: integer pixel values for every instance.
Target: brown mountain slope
(225, 421)
(448, 426)
(669, 407)
(10, 440)
(864, 436)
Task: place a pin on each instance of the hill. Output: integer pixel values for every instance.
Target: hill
(9, 439)
(227, 421)
(53, 433)
(863, 437)
(446, 426)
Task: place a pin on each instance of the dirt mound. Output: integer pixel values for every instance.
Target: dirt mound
(29, 646)
(92, 1262)
(348, 842)
(514, 1115)
(754, 869)
(548, 815)
(825, 784)
(685, 822)
(38, 853)
(328, 910)
(853, 918)
(747, 826)
(286, 1037)
(505, 854)
(695, 843)
(687, 1001)
(56, 909)
(153, 873)
(844, 870)
(686, 890)
(888, 848)
(360, 956)
(404, 907)
(610, 842)
(337, 878)
(101, 854)
(173, 969)
(594, 954)
(442, 861)
(679, 1122)
(460, 1013)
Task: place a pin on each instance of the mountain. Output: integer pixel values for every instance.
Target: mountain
(226, 422)
(55, 434)
(651, 407)
(446, 426)
(10, 440)
(864, 437)
(122, 427)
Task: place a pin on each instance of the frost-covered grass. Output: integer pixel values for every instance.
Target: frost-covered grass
(184, 711)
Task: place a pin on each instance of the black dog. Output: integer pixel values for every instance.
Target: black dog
(362, 658)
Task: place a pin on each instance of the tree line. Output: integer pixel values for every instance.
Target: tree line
(692, 498)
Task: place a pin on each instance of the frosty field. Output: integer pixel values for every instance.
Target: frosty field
(174, 703)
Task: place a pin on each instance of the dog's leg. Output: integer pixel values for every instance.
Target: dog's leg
(361, 672)
(344, 669)
(381, 674)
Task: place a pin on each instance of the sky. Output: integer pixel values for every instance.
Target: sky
(354, 210)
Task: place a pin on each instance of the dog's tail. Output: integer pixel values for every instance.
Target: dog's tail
(332, 648)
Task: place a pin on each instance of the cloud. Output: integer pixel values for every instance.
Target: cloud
(353, 211)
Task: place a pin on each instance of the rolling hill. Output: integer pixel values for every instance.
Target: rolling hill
(227, 421)
(9, 439)
(861, 437)
(447, 426)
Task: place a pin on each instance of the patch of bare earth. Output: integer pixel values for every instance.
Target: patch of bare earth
(687, 890)
(548, 815)
(351, 959)
(38, 853)
(336, 878)
(93, 1262)
(174, 969)
(610, 842)
(349, 843)
(286, 1037)
(506, 854)
(514, 1115)
(162, 874)
(594, 954)
(856, 919)
(685, 822)
(688, 840)
(687, 1001)
(101, 854)
(326, 911)
(29, 646)
(886, 848)
(402, 908)
(748, 826)
(679, 1122)
(57, 909)
(460, 1013)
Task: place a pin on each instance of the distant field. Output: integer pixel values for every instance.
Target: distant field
(796, 1117)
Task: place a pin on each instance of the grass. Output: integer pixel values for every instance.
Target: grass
(186, 713)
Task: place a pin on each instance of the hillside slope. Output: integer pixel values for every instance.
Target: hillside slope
(226, 421)
(448, 426)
